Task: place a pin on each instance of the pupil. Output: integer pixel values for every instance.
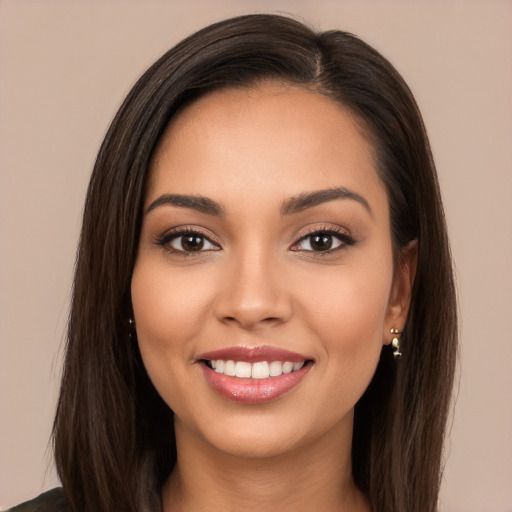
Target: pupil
(192, 243)
(322, 242)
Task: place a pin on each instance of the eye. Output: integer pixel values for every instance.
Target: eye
(187, 242)
(191, 242)
(323, 241)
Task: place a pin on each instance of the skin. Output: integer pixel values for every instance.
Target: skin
(257, 282)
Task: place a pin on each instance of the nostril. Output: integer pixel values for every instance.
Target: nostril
(271, 319)
(244, 321)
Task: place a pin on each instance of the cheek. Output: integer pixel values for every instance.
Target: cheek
(168, 307)
(344, 309)
(347, 309)
(169, 311)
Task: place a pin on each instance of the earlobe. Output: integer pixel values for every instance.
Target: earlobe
(401, 290)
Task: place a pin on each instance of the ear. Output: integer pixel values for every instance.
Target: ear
(401, 289)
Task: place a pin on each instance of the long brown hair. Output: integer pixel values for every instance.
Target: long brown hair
(113, 434)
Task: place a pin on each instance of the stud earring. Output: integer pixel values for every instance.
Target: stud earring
(395, 343)
(131, 323)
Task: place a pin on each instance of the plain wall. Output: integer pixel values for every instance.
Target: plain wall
(65, 66)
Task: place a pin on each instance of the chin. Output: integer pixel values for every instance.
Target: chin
(258, 433)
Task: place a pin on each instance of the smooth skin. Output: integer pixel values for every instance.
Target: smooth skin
(242, 266)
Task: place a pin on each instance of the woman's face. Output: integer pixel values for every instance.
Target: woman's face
(264, 285)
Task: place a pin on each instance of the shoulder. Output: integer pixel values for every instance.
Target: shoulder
(50, 501)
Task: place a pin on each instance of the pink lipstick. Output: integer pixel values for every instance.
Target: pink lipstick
(254, 375)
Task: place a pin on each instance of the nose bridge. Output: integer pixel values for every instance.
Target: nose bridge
(254, 291)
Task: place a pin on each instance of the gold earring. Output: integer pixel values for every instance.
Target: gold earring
(395, 343)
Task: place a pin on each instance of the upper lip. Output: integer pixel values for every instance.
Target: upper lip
(254, 354)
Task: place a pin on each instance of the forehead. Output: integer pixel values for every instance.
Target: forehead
(268, 139)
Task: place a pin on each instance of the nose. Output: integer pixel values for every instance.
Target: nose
(254, 293)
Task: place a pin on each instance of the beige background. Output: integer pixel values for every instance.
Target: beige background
(64, 68)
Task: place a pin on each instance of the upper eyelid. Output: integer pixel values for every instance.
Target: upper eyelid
(334, 230)
(183, 230)
(324, 229)
(335, 234)
(342, 234)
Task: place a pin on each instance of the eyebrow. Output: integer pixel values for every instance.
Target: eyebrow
(199, 203)
(293, 205)
(304, 201)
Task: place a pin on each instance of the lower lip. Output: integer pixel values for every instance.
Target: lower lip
(254, 391)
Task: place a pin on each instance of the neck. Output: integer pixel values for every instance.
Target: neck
(316, 477)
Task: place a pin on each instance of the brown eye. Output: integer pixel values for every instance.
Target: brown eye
(191, 242)
(188, 242)
(321, 242)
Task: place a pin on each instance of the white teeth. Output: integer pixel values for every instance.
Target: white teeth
(243, 369)
(259, 370)
(287, 367)
(275, 368)
(229, 368)
(297, 366)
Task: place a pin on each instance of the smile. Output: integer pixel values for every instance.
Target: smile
(254, 375)
(259, 370)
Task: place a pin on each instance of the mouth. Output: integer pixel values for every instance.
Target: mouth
(258, 370)
(254, 375)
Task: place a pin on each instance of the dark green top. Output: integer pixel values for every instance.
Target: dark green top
(50, 501)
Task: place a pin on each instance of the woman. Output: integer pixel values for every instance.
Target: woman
(263, 220)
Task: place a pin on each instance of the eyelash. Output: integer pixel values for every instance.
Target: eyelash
(165, 240)
(342, 236)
